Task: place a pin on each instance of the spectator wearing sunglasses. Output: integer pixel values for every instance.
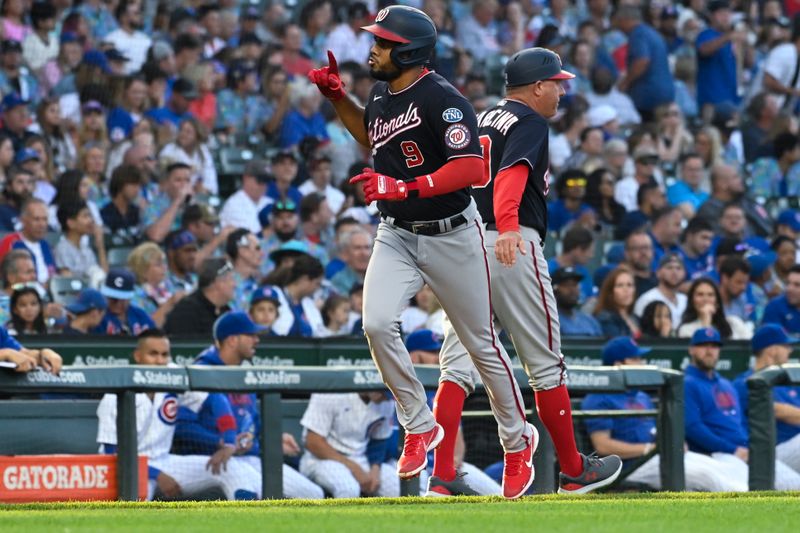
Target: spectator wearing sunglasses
(241, 210)
(244, 250)
(570, 206)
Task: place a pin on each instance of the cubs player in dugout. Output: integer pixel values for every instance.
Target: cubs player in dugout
(424, 140)
(511, 201)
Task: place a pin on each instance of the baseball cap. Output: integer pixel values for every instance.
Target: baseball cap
(25, 155)
(565, 274)
(644, 152)
(10, 45)
(259, 169)
(289, 248)
(669, 12)
(770, 335)
(93, 105)
(789, 217)
(88, 300)
(12, 100)
(716, 5)
(69, 37)
(265, 292)
(119, 284)
(706, 336)
(250, 12)
(621, 348)
(667, 258)
(601, 115)
(283, 154)
(731, 246)
(202, 212)
(113, 54)
(235, 323)
(249, 38)
(161, 50)
(759, 263)
(424, 339)
(98, 59)
(181, 239)
(725, 114)
(185, 88)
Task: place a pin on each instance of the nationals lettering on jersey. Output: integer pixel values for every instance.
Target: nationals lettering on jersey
(511, 133)
(415, 132)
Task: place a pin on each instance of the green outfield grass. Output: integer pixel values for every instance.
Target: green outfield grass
(771, 512)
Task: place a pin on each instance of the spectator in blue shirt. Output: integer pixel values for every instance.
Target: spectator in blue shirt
(122, 317)
(716, 61)
(635, 438)
(714, 415)
(695, 249)
(686, 194)
(25, 360)
(785, 309)
(177, 108)
(577, 250)
(574, 322)
(304, 119)
(570, 206)
(648, 79)
(772, 346)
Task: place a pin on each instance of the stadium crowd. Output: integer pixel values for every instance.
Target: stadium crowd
(675, 170)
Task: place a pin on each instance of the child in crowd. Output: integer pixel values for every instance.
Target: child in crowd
(335, 317)
(264, 304)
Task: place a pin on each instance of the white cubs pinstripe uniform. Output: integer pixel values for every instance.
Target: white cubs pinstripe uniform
(155, 426)
(348, 424)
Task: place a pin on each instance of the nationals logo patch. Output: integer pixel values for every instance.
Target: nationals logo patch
(382, 14)
(452, 114)
(457, 136)
(168, 412)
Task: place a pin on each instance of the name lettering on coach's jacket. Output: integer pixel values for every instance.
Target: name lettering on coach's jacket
(382, 131)
(498, 119)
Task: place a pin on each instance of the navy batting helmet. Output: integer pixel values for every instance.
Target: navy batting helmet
(532, 65)
(413, 29)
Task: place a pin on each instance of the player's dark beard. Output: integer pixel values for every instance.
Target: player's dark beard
(384, 75)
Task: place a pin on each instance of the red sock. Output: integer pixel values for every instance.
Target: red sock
(447, 407)
(555, 412)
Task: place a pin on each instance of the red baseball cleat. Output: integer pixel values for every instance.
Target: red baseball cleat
(415, 451)
(518, 469)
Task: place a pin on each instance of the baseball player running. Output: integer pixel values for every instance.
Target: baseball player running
(511, 200)
(156, 414)
(424, 141)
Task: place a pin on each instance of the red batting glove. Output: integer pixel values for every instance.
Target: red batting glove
(379, 187)
(327, 79)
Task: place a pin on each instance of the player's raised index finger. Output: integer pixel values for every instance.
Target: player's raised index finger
(333, 67)
(360, 177)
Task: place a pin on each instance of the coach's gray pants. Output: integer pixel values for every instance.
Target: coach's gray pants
(455, 265)
(523, 301)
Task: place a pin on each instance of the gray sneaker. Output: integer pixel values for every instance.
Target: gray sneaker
(597, 473)
(438, 487)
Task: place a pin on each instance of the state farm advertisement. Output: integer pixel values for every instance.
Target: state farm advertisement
(49, 478)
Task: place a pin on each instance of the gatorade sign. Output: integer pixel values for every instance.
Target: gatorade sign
(43, 478)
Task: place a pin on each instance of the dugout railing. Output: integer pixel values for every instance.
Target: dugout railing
(270, 383)
(761, 420)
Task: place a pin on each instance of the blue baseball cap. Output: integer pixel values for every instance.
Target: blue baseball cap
(424, 339)
(235, 323)
(181, 239)
(98, 59)
(790, 218)
(26, 154)
(12, 100)
(119, 284)
(265, 292)
(69, 37)
(706, 336)
(88, 300)
(770, 335)
(621, 348)
(760, 262)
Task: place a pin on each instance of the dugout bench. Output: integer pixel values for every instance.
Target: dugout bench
(269, 383)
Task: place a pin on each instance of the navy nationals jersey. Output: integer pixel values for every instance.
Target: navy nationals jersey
(511, 133)
(416, 131)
